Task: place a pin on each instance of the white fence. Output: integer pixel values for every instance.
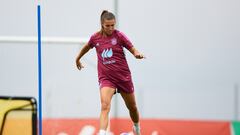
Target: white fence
(32, 39)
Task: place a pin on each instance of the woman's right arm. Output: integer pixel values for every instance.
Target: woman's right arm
(83, 51)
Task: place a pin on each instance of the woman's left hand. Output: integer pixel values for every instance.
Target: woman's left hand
(139, 56)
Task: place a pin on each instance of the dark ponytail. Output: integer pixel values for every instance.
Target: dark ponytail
(106, 15)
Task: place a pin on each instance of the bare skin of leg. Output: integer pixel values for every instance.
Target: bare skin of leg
(106, 94)
(129, 99)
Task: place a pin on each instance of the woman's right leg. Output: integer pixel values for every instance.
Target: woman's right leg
(106, 94)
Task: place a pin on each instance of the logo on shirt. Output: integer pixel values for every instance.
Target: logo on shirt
(107, 53)
(114, 41)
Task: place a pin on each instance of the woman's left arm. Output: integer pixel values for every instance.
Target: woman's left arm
(136, 53)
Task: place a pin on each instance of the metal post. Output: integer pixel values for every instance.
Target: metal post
(116, 97)
(236, 101)
(116, 12)
(39, 71)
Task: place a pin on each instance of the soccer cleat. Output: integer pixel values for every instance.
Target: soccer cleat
(102, 132)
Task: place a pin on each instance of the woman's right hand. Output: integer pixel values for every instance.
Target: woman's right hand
(84, 50)
(79, 65)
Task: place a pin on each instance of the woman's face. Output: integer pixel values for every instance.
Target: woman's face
(108, 26)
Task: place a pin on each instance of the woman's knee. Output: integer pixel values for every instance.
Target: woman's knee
(105, 106)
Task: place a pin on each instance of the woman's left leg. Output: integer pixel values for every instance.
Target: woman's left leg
(129, 99)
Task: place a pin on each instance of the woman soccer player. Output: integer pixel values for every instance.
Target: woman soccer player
(113, 71)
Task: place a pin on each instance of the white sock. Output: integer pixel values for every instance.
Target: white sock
(137, 125)
(102, 132)
(137, 128)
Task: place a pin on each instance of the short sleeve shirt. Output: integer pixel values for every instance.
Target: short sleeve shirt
(112, 63)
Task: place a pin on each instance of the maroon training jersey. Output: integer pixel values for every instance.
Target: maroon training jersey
(112, 63)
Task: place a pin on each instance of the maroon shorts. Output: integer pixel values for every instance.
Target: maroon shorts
(126, 86)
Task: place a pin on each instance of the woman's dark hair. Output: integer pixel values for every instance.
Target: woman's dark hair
(106, 15)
